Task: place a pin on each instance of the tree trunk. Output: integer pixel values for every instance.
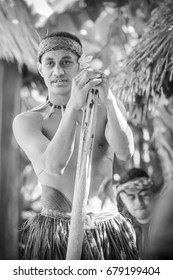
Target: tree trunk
(10, 85)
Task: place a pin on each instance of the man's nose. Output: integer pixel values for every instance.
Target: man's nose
(58, 70)
(138, 201)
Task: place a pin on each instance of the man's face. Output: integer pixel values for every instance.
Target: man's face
(58, 67)
(139, 203)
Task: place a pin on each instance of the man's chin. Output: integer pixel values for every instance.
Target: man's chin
(141, 214)
(144, 220)
(60, 91)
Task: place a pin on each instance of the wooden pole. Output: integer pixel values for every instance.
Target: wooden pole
(83, 174)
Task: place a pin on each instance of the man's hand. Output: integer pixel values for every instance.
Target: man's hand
(86, 80)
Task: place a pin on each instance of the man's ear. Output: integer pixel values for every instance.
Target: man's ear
(39, 68)
(122, 196)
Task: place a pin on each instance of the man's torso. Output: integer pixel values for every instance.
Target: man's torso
(101, 193)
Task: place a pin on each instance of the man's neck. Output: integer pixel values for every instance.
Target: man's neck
(58, 99)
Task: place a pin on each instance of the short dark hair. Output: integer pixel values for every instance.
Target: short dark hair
(131, 174)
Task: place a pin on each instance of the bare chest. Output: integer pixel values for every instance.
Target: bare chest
(102, 155)
(51, 125)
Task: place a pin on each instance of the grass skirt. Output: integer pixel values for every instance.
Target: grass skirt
(108, 236)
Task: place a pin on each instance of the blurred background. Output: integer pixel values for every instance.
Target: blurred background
(122, 36)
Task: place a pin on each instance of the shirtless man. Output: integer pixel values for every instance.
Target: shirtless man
(49, 135)
(136, 199)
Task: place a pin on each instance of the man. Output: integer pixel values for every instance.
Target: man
(49, 135)
(136, 194)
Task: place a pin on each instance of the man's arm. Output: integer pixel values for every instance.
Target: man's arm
(49, 156)
(60, 148)
(118, 132)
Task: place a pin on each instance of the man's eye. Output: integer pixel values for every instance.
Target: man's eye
(144, 194)
(66, 62)
(131, 196)
(50, 63)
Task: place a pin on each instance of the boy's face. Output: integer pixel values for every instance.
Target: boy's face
(138, 202)
(58, 68)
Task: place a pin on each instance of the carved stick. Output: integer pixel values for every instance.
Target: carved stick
(83, 177)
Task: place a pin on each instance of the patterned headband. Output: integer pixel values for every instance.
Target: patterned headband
(58, 43)
(138, 183)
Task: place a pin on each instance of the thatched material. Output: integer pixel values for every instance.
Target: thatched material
(147, 71)
(18, 39)
(108, 236)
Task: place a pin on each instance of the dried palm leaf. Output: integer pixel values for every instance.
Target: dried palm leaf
(18, 40)
(147, 71)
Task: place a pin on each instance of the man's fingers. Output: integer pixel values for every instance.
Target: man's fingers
(92, 83)
(86, 75)
(87, 79)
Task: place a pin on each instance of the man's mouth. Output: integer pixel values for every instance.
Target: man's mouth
(59, 82)
(140, 209)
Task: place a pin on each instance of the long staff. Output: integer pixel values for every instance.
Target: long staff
(83, 177)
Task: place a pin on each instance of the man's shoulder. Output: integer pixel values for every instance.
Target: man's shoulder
(27, 121)
(28, 117)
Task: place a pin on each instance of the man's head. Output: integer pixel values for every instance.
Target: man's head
(58, 55)
(59, 41)
(136, 191)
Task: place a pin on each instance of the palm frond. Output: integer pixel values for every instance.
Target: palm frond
(18, 39)
(147, 71)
